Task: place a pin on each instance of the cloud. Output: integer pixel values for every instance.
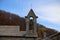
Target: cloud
(50, 12)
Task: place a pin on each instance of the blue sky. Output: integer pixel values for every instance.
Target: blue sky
(48, 11)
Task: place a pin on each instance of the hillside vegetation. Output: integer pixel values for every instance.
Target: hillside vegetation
(7, 18)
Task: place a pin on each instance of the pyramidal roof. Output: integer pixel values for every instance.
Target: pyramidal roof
(31, 13)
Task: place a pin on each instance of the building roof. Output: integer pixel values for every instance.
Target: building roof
(31, 14)
(54, 35)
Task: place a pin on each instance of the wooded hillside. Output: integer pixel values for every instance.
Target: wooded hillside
(7, 18)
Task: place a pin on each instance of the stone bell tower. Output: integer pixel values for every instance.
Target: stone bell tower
(31, 24)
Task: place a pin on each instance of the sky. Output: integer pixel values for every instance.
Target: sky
(48, 11)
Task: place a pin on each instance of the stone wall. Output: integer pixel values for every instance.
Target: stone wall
(16, 38)
(9, 38)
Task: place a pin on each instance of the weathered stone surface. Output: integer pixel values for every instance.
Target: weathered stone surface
(14, 38)
(11, 31)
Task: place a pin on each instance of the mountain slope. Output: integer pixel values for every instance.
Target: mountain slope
(7, 18)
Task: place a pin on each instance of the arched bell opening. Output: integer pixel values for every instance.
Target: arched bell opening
(31, 18)
(31, 24)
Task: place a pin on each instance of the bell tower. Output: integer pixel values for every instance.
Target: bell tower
(31, 24)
